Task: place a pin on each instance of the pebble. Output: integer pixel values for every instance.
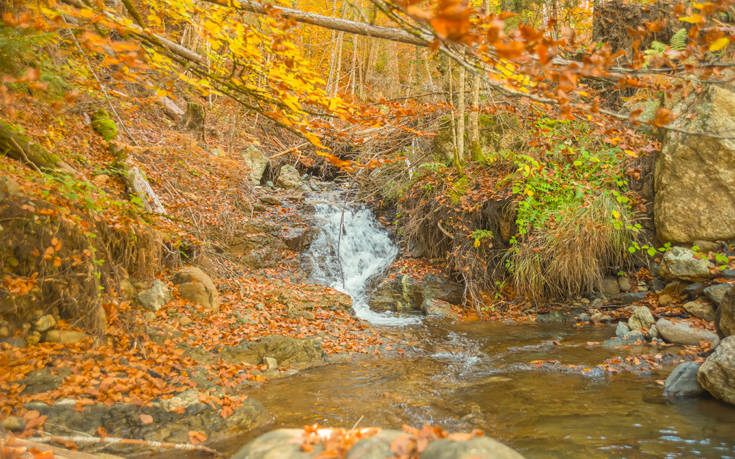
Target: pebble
(14, 424)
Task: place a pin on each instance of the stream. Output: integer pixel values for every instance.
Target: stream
(486, 375)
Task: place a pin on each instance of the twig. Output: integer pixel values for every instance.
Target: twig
(123, 441)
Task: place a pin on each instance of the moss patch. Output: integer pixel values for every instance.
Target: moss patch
(104, 126)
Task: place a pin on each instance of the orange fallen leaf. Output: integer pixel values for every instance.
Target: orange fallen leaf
(146, 419)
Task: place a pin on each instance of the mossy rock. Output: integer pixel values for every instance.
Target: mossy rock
(103, 125)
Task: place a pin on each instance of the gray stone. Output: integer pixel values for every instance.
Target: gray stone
(707, 246)
(290, 178)
(609, 287)
(277, 444)
(641, 319)
(665, 300)
(270, 363)
(44, 380)
(700, 309)
(717, 373)
(680, 263)
(44, 323)
(682, 382)
(624, 283)
(596, 303)
(65, 336)
(286, 350)
(658, 284)
(653, 332)
(682, 333)
(632, 297)
(8, 187)
(375, 447)
(728, 273)
(256, 162)
(725, 315)
(694, 290)
(297, 239)
(196, 286)
(717, 292)
(155, 297)
(598, 317)
(474, 448)
(694, 176)
(621, 329)
(583, 317)
(14, 424)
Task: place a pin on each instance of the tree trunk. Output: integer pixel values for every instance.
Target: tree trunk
(461, 112)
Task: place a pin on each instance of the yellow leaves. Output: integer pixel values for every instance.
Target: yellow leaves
(719, 44)
(695, 18)
(616, 215)
(631, 153)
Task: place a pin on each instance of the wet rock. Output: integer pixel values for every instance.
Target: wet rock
(555, 317)
(621, 329)
(725, 315)
(184, 399)
(256, 161)
(297, 239)
(286, 350)
(609, 287)
(290, 178)
(436, 307)
(404, 293)
(680, 263)
(694, 290)
(716, 293)
(155, 297)
(44, 323)
(44, 380)
(583, 317)
(717, 373)
(700, 309)
(65, 336)
(474, 448)
(277, 444)
(653, 332)
(196, 286)
(682, 333)
(682, 382)
(599, 317)
(641, 319)
(632, 297)
(14, 424)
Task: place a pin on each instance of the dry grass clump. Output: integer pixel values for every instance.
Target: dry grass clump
(570, 255)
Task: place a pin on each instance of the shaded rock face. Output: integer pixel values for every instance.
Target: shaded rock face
(717, 373)
(695, 175)
(680, 263)
(406, 293)
(286, 350)
(716, 293)
(725, 315)
(123, 420)
(196, 286)
(682, 382)
(286, 444)
(681, 333)
(256, 162)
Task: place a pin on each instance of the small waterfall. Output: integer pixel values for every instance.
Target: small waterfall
(365, 250)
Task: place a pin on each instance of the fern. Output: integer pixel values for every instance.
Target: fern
(679, 40)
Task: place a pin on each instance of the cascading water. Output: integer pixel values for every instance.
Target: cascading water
(365, 250)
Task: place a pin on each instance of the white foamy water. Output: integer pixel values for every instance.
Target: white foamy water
(365, 250)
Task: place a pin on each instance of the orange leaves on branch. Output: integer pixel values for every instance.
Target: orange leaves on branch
(663, 117)
(449, 18)
(196, 437)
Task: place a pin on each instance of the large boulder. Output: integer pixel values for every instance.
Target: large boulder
(682, 382)
(717, 373)
(256, 162)
(402, 292)
(196, 286)
(716, 293)
(725, 315)
(695, 174)
(680, 263)
(682, 333)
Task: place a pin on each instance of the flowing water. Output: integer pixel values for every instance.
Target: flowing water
(485, 375)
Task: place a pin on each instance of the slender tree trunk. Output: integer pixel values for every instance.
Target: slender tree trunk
(461, 112)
